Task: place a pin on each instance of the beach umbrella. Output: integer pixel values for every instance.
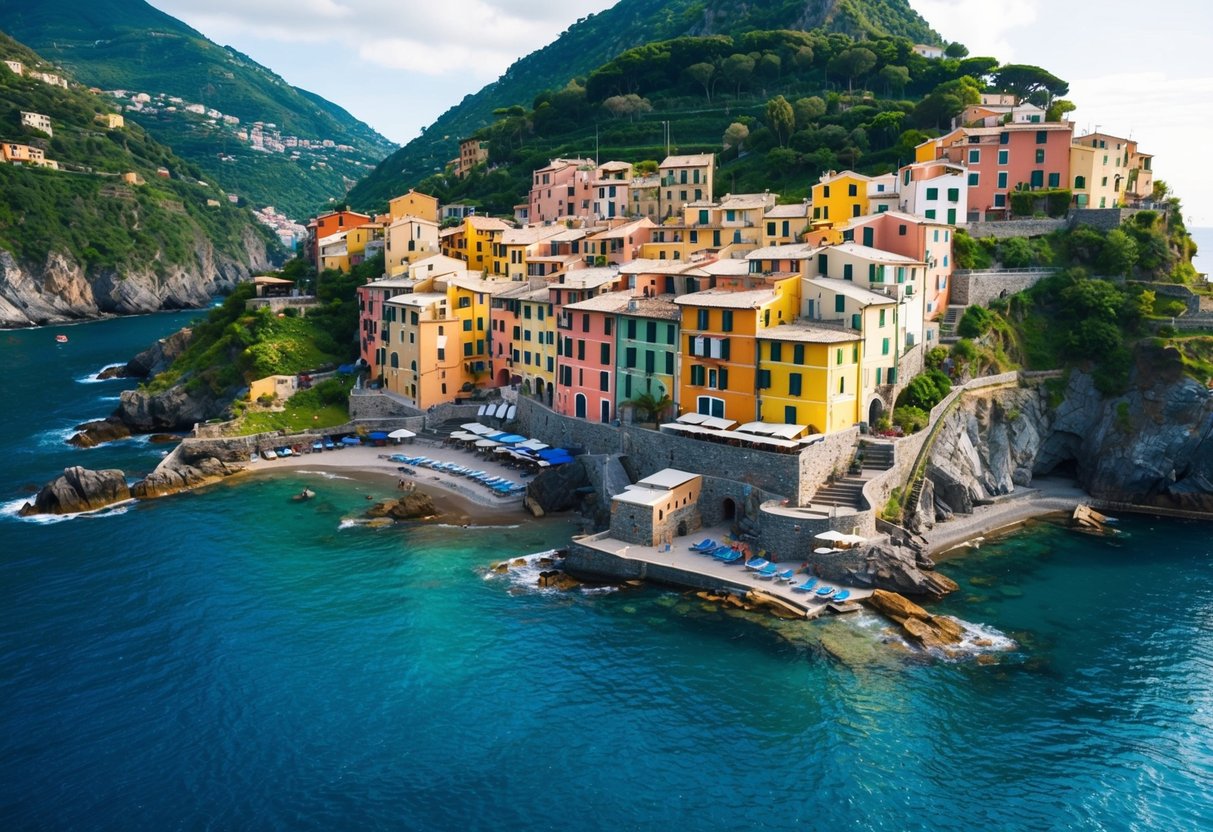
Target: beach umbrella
(402, 433)
(486, 443)
(350, 440)
(831, 536)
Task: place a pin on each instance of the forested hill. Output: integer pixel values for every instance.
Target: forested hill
(784, 106)
(128, 45)
(596, 39)
(115, 199)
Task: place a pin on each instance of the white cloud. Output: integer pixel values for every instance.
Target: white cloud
(980, 25)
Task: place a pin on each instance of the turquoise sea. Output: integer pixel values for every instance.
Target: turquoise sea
(230, 659)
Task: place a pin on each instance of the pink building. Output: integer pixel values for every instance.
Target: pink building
(921, 240)
(585, 378)
(620, 244)
(371, 347)
(1002, 159)
(563, 189)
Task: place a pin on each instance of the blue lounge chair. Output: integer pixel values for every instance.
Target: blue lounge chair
(807, 586)
(785, 575)
(757, 563)
(768, 571)
(824, 593)
(842, 595)
(703, 545)
(727, 555)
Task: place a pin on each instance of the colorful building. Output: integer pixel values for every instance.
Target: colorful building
(809, 375)
(785, 224)
(919, 239)
(684, 179)
(534, 343)
(618, 245)
(1108, 171)
(480, 235)
(414, 204)
(407, 240)
(514, 254)
(937, 190)
(472, 152)
(562, 189)
(585, 380)
(839, 197)
(720, 330)
(612, 191)
(325, 226)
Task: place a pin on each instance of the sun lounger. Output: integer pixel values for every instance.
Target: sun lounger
(757, 563)
(808, 586)
(786, 575)
(842, 595)
(767, 571)
(703, 545)
(730, 556)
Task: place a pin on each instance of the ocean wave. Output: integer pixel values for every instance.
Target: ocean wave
(328, 475)
(93, 379)
(349, 524)
(522, 573)
(11, 509)
(55, 437)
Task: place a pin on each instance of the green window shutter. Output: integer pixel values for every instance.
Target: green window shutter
(794, 383)
(840, 303)
(1054, 180)
(798, 353)
(1002, 179)
(932, 193)
(847, 271)
(884, 346)
(776, 351)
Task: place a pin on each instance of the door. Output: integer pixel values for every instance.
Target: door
(580, 405)
(606, 411)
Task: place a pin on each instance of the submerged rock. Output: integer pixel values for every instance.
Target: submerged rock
(929, 631)
(91, 434)
(887, 566)
(413, 506)
(79, 489)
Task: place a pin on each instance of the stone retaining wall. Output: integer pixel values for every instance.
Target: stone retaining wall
(375, 404)
(979, 288)
(1015, 228)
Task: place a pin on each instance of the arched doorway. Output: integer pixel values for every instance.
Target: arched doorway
(551, 392)
(503, 377)
(728, 509)
(875, 411)
(579, 405)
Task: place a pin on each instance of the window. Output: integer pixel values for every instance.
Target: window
(1003, 138)
(698, 372)
(839, 356)
(650, 361)
(974, 178)
(629, 358)
(789, 415)
(840, 303)
(1002, 179)
(798, 353)
(771, 229)
(585, 323)
(1054, 180)
(1004, 156)
(847, 272)
(703, 319)
(1040, 155)
(581, 350)
(852, 190)
(764, 379)
(842, 386)
(930, 213)
(882, 312)
(825, 191)
(823, 264)
(1038, 179)
(794, 384)
(953, 194)
(1000, 200)
(901, 231)
(726, 320)
(776, 351)
(605, 354)
(974, 157)
(467, 348)
(1042, 136)
(884, 346)
(1080, 183)
(608, 326)
(650, 332)
(932, 193)
(670, 334)
(441, 354)
(951, 216)
(604, 381)
(467, 325)
(631, 329)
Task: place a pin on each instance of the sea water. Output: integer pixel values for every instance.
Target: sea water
(232, 659)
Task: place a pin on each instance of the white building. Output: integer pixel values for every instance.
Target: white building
(37, 121)
(936, 190)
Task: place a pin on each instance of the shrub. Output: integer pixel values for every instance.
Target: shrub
(926, 390)
(910, 419)
(964, 350)
(976, 322)
(935, 357)
(1015, 253)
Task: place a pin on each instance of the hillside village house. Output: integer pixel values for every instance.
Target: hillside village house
(563, 189)
(37, 121)
(111, 121)
(1108, 171)
(784, 224)
(16, 67)
(414, 204)
(326, 226)
(839, 197)
(685, 179)
(472, 152)
(407, 240)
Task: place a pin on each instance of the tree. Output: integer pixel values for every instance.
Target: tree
(956, 49)
(651, 406)
(1119, 254)
(780, 119)
(808, 110)
(736, 134)
(737, 69)
(1059, 108)
(803, 59)
(895, 78)
(627, 105)
(853, 63)
(1024, 80)
(705, 75)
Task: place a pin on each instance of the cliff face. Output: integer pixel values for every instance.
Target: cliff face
(64, 289)
(1150, 446)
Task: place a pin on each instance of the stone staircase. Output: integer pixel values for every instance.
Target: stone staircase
(844, 493)
(877, 456)
(947, 326)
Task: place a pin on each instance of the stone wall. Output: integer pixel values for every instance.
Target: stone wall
(1101, 219)
(1015, 228)
(375, 404)
(817, 462)
(786, 537)
(980, 287)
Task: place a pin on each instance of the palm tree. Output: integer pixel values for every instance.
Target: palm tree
(650, 405)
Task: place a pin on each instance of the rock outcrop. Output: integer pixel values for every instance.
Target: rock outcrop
(413, 506)
(886, 566)
(154, 360)
(79, 489)
(92, 434)
(926, 630)
(174, 409)
(562, 488)
(63, 289)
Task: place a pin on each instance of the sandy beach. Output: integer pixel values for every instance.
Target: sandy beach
(1042, 498)
(461, 498)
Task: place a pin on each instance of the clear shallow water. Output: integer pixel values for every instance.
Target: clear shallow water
(230, 659)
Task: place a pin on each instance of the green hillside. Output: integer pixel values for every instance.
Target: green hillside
(793, 104)
(85, 209)
(128, 45)
(596, 39)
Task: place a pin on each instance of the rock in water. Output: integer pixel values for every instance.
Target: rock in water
(91, 434)
(80, 489)
(409, 507)
(918, 624)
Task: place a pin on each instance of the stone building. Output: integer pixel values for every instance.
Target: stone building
(658, 508)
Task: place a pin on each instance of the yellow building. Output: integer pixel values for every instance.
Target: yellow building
(838, 197)
(784, 224)
(480, 235)
(111, 121)
(720, 331)
(407, 240)
(685, 179)
(738, 218)
(679, 242)
(874, 316)
(517, 248)
(534, 343)
(363, 242)
(809, 376)
(437, 341)
(334, 253)
(414, 204)
(1102, 170)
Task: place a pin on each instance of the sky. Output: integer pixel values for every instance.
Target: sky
(1141, 71)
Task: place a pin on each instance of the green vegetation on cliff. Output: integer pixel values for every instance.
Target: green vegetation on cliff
(597, 39)
(784, 105)
(85, 209)
(128, 45)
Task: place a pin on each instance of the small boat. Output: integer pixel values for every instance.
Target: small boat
(269, 453)
(305, 494)
(824, 593)
(62, 339)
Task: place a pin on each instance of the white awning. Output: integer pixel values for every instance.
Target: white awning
(692, 418)
(478, 429)
(486, 443)
(782, 431)
(718, 423)
(532, 444)
(402, 433)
